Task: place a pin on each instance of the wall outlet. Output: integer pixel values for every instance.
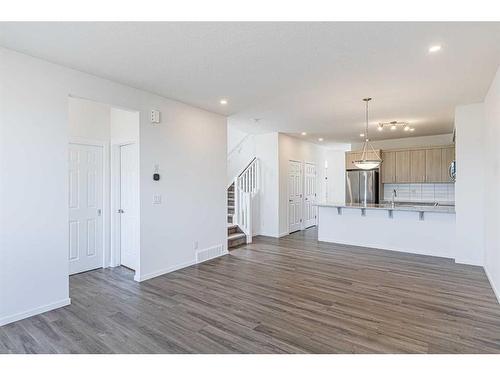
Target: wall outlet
(157, 199)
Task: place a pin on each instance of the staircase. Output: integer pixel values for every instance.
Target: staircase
(239, 205)
(235, 236)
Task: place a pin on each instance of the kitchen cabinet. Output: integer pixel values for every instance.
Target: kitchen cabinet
(351, 156)
(417, 166)
(433, 165)
(447, 156)
(402, 166)
(388, 167)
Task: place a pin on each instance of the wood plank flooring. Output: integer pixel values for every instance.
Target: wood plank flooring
(289, 295)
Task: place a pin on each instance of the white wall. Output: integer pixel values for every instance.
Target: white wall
(492, 184)
(431, 140)
(266, 220)
(478, 181)
(123, 125)
(89, 119)
(291, 148)
(189, 145)
(234, 137)
(240, 156)
(469, 187)
(336, 175)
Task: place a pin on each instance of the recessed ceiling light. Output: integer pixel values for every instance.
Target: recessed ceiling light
(223, 101)
(406, 128)
(412, 129)
(393, 127)
(434, 48)
(380, 127)
(361, 134)
(320, 139)
(303, 133)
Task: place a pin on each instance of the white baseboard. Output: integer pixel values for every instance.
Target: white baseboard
(164, 271)
(469, 262)
(495, 289)
(38, 310)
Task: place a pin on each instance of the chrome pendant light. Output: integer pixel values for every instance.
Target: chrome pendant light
(369, 158)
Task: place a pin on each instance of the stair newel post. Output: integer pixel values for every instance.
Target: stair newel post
(236, 193)
(248, 198)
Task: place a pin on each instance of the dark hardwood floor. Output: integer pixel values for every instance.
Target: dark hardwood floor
(289, 295)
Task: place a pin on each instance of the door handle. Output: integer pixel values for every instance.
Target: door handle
(120, 211)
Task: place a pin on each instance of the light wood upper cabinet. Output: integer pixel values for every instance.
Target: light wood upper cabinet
(417, 165)
(402, 166)
(433, 165)
(351, 156)
(447, 156)
(388, 167)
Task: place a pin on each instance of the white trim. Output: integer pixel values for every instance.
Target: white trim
(39, 310)
(115, 250)
(106, 233)
(164, 271)
(495, 290)
(283, 234)
(469, 262)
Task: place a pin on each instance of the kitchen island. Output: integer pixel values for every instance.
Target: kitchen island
(411, 228)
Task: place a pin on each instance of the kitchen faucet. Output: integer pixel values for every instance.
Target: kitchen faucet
(394, 195)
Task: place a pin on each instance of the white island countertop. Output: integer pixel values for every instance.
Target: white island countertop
(412, 228)
(415, 207)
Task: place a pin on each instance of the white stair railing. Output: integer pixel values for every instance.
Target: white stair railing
(246, 186)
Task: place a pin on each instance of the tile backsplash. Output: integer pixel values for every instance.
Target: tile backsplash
(421, 192)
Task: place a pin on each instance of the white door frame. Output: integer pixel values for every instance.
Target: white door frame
(288, 194)
(304, 193)
(115, 202)
(105, 191)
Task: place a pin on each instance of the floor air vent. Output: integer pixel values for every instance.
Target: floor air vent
(211, 252)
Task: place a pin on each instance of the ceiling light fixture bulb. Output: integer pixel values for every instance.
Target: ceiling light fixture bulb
(361, 134)
(412, 129)
(434, 48)
(223, 101)
(320, 139)
(380, 127)
(393, 127)
(406, 128)
(303, 133)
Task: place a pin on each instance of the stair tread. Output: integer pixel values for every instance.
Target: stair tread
(235, 236)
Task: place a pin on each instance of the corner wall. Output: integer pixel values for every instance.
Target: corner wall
(189, 145)
(469, 189)
(492, 184)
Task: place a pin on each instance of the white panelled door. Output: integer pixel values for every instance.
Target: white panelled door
(309, 195)
(85, 207)
(294, 196)
(129, 206)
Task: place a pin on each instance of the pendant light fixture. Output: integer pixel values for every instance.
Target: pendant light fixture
(369, 158)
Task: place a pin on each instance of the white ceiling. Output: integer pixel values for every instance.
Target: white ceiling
(293, 76)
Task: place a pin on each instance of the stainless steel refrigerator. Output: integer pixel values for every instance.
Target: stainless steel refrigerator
(361, 187)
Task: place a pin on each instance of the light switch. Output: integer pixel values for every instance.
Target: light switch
(157, 199)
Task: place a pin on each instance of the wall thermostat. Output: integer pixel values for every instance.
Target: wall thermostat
(156, 177)
(155, 116)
